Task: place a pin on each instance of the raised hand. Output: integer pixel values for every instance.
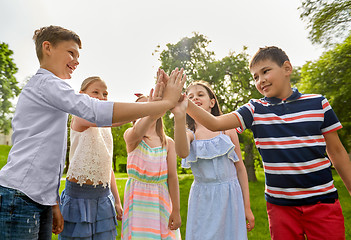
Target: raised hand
(175, 83)
(182, 105)
(157, 94)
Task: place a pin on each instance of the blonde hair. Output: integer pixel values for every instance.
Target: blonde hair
(88, 81)
(54, 35)
(159, 126)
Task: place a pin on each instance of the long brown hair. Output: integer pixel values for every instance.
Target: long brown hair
(159, 126)
(216, 110)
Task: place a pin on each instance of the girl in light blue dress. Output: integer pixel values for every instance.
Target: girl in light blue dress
(219, 202)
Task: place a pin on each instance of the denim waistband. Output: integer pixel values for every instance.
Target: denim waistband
(86, 191)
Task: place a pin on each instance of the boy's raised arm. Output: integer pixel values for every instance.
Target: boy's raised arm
(131, 111)
(213, 123)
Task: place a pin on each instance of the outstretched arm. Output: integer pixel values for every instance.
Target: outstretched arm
(134, 135)
(339, 157)
(79, 124)
(130, 111)
(213, 123)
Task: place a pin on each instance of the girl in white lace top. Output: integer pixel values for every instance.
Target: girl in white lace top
(90, 200)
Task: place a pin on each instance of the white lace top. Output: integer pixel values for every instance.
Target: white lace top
(91, 156)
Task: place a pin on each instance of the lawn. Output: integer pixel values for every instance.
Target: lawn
(258, 203)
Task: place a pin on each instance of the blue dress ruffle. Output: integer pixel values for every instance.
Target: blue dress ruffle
(210, 148)
(88, 212)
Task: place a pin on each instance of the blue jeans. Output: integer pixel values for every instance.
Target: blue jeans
(22, 218)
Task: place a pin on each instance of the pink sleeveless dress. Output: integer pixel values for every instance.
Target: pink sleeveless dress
(147, 204)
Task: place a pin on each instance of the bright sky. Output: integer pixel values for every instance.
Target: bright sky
(119, 36)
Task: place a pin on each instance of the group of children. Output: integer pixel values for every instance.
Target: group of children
(293, 132)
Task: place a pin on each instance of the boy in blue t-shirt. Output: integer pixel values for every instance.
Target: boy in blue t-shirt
(292, 132)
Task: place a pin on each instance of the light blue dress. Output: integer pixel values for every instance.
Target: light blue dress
(215, 206)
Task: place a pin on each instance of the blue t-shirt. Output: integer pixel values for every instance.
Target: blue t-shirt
(36, 160)
(289, 136)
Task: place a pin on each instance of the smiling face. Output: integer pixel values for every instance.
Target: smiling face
(97, 89)
(199, 95)
(61, 59)
(271, 80)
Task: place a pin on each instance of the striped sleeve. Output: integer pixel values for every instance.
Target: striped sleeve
(331, 122)
(245, 116)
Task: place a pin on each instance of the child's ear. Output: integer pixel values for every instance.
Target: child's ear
(46, 48)
(287, 67)
(212, 102)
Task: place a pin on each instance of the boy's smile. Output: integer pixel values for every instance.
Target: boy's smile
(61, 59)
(272, 80)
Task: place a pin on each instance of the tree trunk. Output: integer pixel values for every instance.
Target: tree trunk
(249, 161)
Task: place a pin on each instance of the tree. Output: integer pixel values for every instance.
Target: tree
(327, 20)
(8, 86)
(330, 76)
(230, 79)
(119, 145)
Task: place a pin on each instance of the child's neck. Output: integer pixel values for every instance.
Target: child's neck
(204, 133)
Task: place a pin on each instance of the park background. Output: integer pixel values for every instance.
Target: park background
(212, 41)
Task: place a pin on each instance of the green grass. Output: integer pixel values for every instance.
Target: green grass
(258, 203)
(4, 151)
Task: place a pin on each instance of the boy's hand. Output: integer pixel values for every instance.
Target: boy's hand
(119, 211)
(174, 86)
(57, 221)
(181, 106)
(174, 221)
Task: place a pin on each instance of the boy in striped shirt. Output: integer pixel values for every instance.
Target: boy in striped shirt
(292, 132)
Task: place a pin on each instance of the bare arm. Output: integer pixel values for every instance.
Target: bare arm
(79, 124)
(57, 220)
(135, 134)
(339, 157)
(182, 143)
(213, 123)
(243, 181)
(173, 186)
(130, 111)
(114, 190)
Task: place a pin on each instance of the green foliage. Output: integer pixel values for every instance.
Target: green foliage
(4, 151)
(119, 145)
(8, 86)
(328, 21)
(229, 77)
(189, 53)
(330, 76)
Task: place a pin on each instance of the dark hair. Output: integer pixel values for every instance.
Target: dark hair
(272, 53)
(53, 34)
(216, 110)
